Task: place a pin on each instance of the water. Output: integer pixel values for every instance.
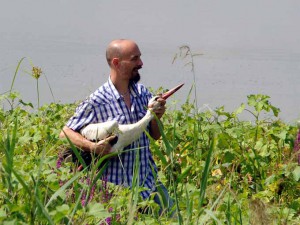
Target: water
(247, 47)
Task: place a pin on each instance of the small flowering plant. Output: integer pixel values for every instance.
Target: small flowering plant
(36, 72)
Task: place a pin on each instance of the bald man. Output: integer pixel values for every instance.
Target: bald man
(124, 100)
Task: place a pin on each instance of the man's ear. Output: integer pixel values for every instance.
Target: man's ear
(115, 62)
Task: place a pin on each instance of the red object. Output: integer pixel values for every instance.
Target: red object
(172, 91)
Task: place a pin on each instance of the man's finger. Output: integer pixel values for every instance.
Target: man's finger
(112, 140)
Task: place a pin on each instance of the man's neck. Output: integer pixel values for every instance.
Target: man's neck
(121, 85)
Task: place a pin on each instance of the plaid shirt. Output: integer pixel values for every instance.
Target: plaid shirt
(107, 104)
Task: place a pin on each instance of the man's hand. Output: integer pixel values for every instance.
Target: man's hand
(101, 148)
(104, 146)
(161, 109)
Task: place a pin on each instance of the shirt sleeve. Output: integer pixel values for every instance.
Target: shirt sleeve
(84, 115)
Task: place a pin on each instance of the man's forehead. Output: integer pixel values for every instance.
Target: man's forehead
(134, 55)
(133, 52)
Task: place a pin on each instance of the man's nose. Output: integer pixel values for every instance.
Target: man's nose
(141, 62)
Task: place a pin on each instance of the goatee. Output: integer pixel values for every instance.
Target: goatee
(136, 78)
(136, 75)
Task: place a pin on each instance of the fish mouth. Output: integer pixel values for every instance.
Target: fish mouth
(171, 91)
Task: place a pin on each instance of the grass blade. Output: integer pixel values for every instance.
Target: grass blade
(15, 75)
(205, 175)
(64, 187)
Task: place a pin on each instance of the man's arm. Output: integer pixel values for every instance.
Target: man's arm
(100, 148)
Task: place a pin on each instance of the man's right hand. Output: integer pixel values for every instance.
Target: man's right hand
(104, 146)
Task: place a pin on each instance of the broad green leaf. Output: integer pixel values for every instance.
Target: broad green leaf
(63, 208)
(2, 213)
(37, 137)
(296, 173)
(270, 179)
(259, 144)
(52, 177)
(275, 110)
(240, 109)
(264, 151)
(251, 100)
(282, 134)
(11, 222)
(25, 138)
(97, 210)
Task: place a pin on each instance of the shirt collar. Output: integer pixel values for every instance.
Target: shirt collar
(132, 88)
(113, 89)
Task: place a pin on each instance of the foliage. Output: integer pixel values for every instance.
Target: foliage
(253, 163)
(218, 169)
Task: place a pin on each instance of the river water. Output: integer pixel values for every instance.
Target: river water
(244, 47)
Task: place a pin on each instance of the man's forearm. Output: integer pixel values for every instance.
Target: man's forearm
(77, 139)
(154, 129)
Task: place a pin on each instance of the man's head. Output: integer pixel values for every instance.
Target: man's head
(124, 58)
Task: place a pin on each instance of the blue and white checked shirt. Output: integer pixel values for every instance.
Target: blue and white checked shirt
(107, 104)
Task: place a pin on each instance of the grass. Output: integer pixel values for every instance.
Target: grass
(217, 168)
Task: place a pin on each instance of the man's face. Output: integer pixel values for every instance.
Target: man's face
(131, 63)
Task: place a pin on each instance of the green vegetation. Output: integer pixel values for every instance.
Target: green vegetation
(219, 169)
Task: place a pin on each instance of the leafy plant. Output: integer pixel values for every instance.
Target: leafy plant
(218, 169)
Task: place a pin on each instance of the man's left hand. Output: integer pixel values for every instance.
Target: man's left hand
(161, 109)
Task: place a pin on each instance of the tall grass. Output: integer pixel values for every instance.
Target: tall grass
(8, 145)
(218, 170)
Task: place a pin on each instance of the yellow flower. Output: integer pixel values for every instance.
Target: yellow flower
(216, 172)
(36, 72)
